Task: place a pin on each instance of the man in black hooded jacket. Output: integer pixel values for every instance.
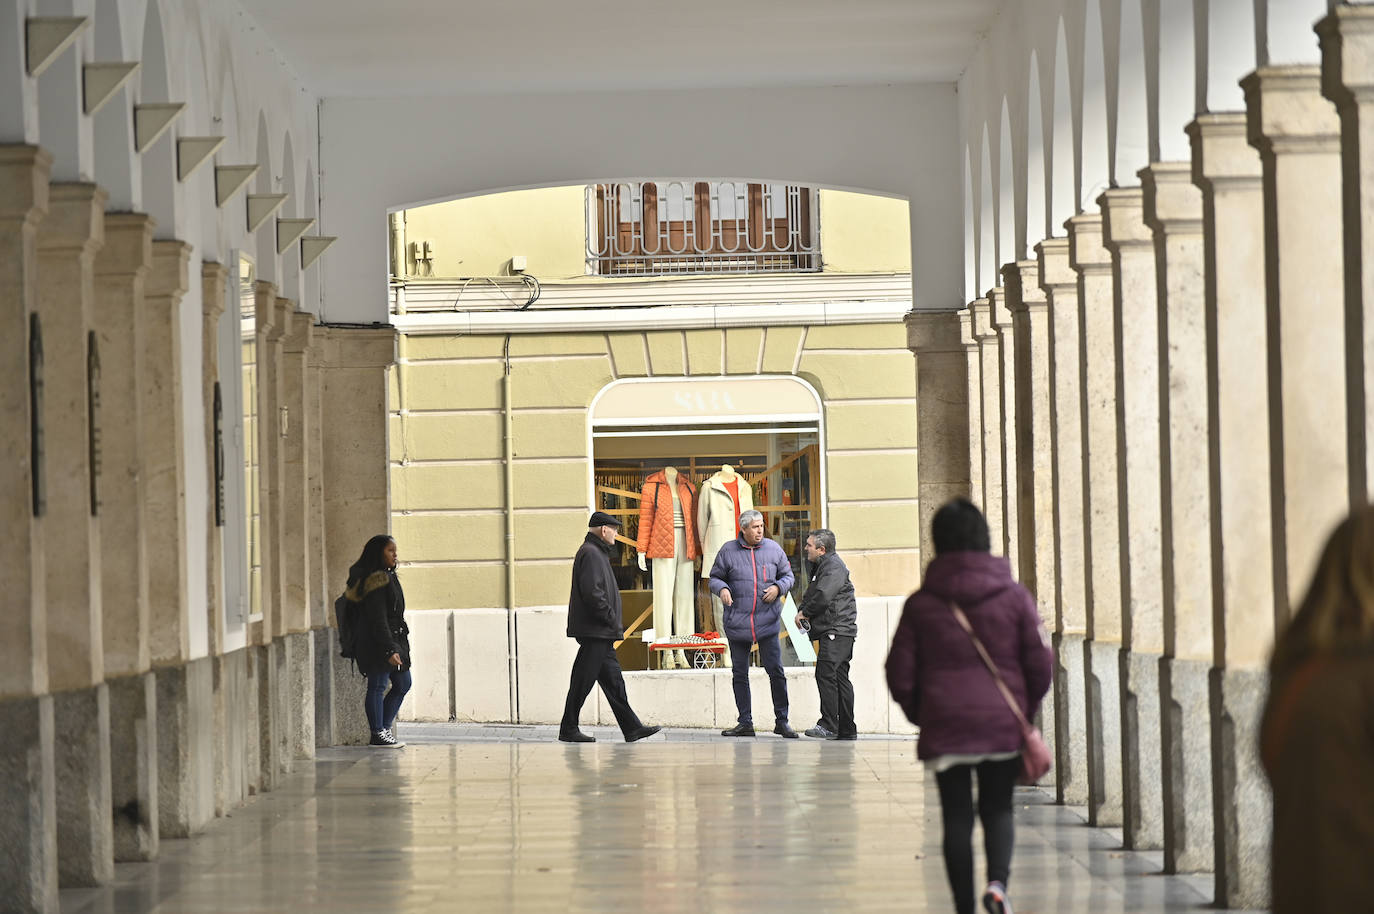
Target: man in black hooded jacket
(594, 619)
(831, 614)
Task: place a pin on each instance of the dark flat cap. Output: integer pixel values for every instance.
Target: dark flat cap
(602, 519)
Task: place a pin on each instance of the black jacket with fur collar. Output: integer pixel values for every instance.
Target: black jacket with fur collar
(382, 629)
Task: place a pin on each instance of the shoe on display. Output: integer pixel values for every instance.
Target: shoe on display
(577, 736)
(382, 739)
(820, 732)
(642, 733)
(739, 730)
(995, 899)
(782, 729)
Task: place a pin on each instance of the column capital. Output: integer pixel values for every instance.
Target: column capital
(981, 311)
(1346, 37)
(128, 248)
(1287, 113)
(264, 305)
(1123, 219)
(1173, 203)
(358, 347)
(75, 220)
(966, 336)
(24, 176)
(1000, 315)
(1052, 259)
(282, 309)
(933, 331)
(168, 277)
(300, 326)
(1087, 253)
(1022, 282)
(1222, 154)
(213, 277)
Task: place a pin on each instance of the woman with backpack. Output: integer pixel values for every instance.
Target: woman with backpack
(381, 643)
(969, 617)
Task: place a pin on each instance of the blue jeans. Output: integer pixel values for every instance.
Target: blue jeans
(770, 655)
(381, 705)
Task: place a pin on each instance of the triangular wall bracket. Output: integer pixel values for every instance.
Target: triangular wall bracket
(230, 179)
(100, 81)
(288, 230)
(193, 151)
(312, 246)
(153, 120)
(262, 206)
(46, 37)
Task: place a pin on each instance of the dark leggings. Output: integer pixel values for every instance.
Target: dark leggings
(995, 781)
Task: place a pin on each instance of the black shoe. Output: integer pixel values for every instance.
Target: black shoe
(739, 730)
(847, 736)
(642, 733)
(577, 736)
(382, 739)
(820, 732)
(782, 729)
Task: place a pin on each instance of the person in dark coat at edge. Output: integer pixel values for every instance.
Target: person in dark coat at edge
(594, 619)
(935, 673)
(383, 638)
(831, 616)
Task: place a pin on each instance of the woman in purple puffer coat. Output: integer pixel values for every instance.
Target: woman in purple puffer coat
(936, 675)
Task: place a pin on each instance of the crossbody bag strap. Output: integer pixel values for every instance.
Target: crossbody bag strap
(992, 667)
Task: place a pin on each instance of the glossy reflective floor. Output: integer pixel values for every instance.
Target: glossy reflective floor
(508, 819)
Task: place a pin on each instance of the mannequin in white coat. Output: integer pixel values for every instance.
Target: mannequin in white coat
(667, 536)
(719, 504)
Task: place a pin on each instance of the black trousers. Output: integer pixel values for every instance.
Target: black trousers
(995, 781)
(832, 681)
(596, 663)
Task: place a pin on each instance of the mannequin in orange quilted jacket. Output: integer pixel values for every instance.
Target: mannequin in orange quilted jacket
(668, 536)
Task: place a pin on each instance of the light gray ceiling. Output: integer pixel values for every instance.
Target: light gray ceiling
(366, 48)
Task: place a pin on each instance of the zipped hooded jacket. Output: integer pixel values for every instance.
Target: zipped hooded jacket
(748, 571)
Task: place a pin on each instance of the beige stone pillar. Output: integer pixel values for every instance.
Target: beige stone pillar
(1137, 301)
(354, 427)
(28, 816)
(942, 414)
(1228, 172)
(1347, 42)
(1173, 209)
(268, 432)
(1297, 133)
(990, 397)
(323, 589)
(213, 280)
(1060, 284)
(68, 239)
(121, 272)
(1092, 261)
(972, 373)
(297, 577)
(1005, 340)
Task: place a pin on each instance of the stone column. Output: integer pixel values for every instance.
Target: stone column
(942, 414)
(1228, 172)
(1173, 209)
(121, 271)
(1101, 649)
(1006, 431)
(68, 239)
(28, 814)
(354, 426)
(1034, 485)
(300, 431)
(1137, 350)
(1347, 42)
(184, 689)
(975, 403)
(1060, 284)
(1297, 133)
(990, 395)
(323, 588)
(267, 646)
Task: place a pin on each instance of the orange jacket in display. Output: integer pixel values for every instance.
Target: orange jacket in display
(656, 517)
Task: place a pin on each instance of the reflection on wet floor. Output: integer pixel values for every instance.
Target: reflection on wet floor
(470, 818)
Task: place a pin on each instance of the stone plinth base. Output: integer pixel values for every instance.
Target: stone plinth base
(1142, 818)
(281, 710)
(252, 735)
(350, 720)
(1187, 753)
(231, 714)
(326, 649)
(133, 766)
(28, 806)
(1102, 673)
(1070, 720)
(81, 766)
(185, 748)
(1243, 809)
(300, 651)
(268, 720)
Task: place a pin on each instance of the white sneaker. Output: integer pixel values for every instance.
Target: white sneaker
(995, 899)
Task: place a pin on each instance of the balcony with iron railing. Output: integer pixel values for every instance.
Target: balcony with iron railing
(684, 227)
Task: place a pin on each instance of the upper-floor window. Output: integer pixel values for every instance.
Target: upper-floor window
(653, 228)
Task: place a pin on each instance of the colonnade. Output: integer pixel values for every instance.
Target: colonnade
(1164, 433)
(121, 729)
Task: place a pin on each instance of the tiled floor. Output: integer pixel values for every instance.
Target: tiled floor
(508, 819)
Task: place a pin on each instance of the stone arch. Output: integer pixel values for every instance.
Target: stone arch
(1131, 143)
(1008, 237)
(265, 239)
(987, 223)
(310, 277)
(1223, 59)
(290, 261)
(199, 190)
(112, 127)
(1037, 181)
(17, 125)
(1063, 194)
(1173, 60)
(158, 162)
(1284, 32)
(1094, 171)
(63, 128)
(235, 150)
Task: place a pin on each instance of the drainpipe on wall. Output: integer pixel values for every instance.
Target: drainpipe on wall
(507, 403)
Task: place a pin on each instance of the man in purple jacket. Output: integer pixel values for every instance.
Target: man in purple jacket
(751, 575)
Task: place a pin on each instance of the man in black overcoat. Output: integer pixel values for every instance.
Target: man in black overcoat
(594, 620)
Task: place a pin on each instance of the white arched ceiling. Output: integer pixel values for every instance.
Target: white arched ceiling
(290, 261)
(265, 239)
(1062, 149)
(1095, 176)
(1007, 249)
(1287, 35)
(970, 236)
(1131, 151)
(1037, 181)
(158, 161)
(987, 221)
(63, 127)
(112, 133)
(18, 95)
(1226, 59)
(1177, 71)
